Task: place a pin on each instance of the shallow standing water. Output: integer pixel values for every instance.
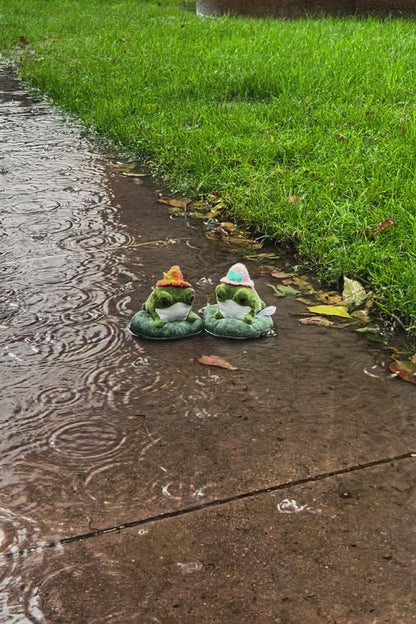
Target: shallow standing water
(99, 429)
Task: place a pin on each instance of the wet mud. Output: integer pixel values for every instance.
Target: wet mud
(103, 431)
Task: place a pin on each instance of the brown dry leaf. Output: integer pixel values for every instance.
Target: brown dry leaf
(122, 167)
(195, 214)
(201, 204)
(277, 292)
(217, 234)
(176, 212)
(281, 275)
(329, 299)
(266, 269)
(304, 284)
(206, 211)
(316, 320)
(361, 316)
(384, 226)
(263, 269)
(214, 196)
(413, 358)
(260, 256)
(176, 202)
(214, 360)
(293, 198)
(219, 209)
(231, 228)
(245, 241)
(405, 369)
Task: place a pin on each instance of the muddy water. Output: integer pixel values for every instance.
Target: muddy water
(99, 428)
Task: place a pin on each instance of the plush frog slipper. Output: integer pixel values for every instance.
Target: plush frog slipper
(239, 311)
(167, 313)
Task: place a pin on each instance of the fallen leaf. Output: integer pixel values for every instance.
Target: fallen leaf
(217, 233)
(354, 293)
(293, 198)
(232, 229)
(316, 320)
(281, 290)
(202, 204)
(133, 174)
(405, 369)
(383, 226)
(176, 212)
(281, 274)
(277, 292)
(287, 290)
(329, 299)
(259, 256)
(329, 310)
(214, 360)
(263, 269)
(304, 284)
(218, 209)
(413, 358)
(361, 316)
(177, 202)
(245, 241)
(214, 196)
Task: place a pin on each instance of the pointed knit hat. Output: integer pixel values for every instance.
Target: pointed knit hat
(238, 276)
(173, 277)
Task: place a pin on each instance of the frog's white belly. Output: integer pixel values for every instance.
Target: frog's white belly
(177, 312)
(231, 309)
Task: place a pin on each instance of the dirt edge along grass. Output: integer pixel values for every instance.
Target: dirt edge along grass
(306, 127)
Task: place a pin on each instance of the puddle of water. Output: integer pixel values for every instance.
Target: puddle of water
(98, 428)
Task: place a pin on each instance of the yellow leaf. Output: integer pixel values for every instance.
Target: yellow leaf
(330, 310)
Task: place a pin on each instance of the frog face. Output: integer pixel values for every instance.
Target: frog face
(241, 302)
(169, 304)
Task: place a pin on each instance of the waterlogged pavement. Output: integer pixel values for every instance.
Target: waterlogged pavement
(138, 486)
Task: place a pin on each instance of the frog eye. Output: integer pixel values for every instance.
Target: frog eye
(220, 293)
(241, 297)
(165, 300)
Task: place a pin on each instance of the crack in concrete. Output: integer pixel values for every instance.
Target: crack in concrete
(214, 503)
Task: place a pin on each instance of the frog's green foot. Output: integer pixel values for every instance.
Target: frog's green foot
(191, 318)
(248, 319)
(218, 315)
(158, 322)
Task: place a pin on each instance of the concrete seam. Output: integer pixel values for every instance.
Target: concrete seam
(213, 503)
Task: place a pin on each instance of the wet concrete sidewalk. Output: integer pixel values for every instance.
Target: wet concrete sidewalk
(138, 486)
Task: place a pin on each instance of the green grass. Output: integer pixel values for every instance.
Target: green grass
(257, 110)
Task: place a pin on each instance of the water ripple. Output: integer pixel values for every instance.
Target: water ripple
(66, 344)
(87, 440)
(121, 384)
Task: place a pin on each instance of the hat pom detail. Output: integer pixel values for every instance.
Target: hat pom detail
(173, 277)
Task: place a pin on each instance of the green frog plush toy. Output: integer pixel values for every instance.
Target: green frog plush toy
(167, 311)
(239, 312)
